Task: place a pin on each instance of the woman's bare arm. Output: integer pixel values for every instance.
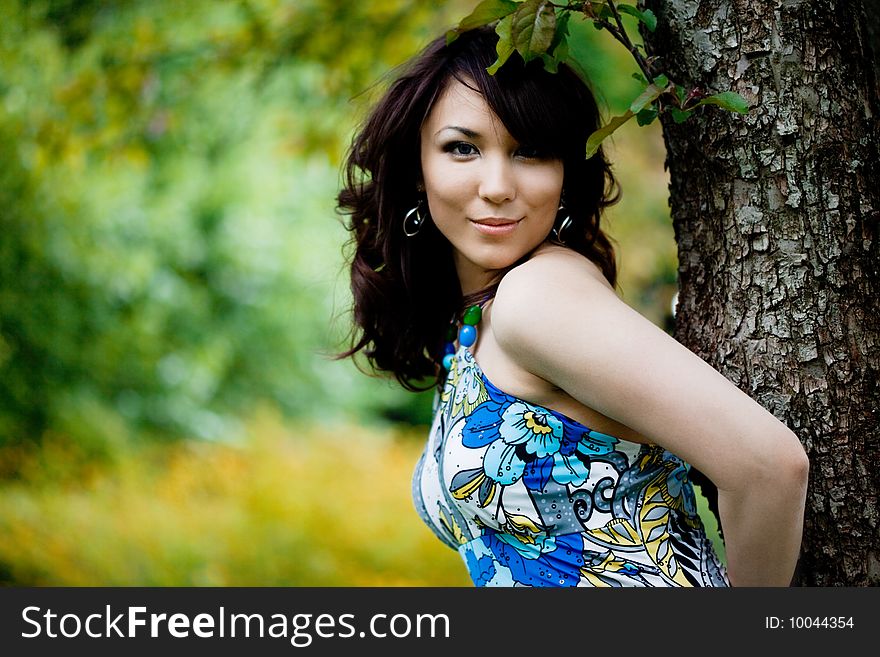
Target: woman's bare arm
(558, 321)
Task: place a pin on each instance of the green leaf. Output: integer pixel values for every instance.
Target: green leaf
(533, 28)
(641, 78)
(484, 13)
(646, 116)
(661, 81)
(648, 96)
(551, 64)
(680, 94)
(729, 100)
(647, 17)
(679, 116)
(595, 139)
(558, 51)
(561, 36)
(504, 48)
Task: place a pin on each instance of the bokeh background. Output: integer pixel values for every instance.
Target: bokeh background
(172, 285)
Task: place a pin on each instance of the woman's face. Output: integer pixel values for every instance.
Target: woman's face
(493, 198)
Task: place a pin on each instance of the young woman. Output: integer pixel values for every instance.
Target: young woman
(565, 422)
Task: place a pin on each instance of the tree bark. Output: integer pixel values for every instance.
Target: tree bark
(776, 215)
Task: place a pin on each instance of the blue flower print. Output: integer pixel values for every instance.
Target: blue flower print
(540, 432)
(529, 549)
(593, 443)
(569, 469)
(502, 463)
(482, 567)
(559, 564)
(475, 555)
(523, 430)
(571, 465)
(519, 434)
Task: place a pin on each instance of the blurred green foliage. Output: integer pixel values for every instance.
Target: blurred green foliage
(169, 243)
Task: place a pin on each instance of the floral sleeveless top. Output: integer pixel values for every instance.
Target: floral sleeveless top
(529, 497)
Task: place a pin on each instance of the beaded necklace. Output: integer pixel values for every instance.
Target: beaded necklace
(467, 334)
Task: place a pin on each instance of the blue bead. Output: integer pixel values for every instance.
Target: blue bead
(450, 348)
(447, 361)
(467, 335)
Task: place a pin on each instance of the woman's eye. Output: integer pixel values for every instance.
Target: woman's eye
(462, 149)
(529, 152)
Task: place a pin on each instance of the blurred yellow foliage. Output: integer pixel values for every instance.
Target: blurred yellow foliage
(291, 506)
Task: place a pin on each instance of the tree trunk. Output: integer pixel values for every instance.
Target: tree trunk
(776, 215)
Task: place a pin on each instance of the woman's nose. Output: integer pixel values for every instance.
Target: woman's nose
(497, 182)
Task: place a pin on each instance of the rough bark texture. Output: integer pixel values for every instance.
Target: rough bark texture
(776, 219)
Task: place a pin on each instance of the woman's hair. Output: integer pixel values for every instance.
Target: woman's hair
(406, 289)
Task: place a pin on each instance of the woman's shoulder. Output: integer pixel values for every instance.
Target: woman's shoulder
(552, 272)
(551, 284)
(552, 261)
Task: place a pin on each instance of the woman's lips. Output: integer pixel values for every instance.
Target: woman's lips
(495, 226)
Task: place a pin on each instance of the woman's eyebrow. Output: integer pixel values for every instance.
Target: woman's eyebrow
(467, 132)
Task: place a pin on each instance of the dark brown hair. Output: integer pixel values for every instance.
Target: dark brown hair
(406, 289)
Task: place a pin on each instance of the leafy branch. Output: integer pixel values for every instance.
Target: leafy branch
(539, 29)
(618, 31)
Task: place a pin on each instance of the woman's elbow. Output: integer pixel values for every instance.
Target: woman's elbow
(792, 463)
(779, 463)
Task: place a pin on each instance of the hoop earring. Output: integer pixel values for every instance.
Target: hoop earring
(560, 225)
(412, 222)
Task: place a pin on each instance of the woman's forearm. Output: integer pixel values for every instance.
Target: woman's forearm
(763, 525)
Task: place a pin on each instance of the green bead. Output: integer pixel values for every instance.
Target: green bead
(451, 333)
(473, 315)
